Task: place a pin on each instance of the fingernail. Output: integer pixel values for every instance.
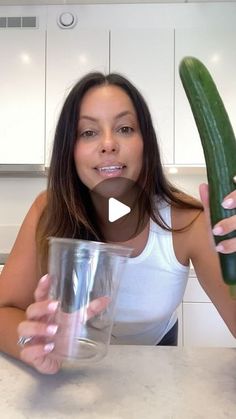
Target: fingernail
(49, 347)
(219, 248)
(43, 279)
(53, 306)
(52, 329)
(218, 230)
(228, 203)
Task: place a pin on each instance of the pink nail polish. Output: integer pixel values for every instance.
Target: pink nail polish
(43, 279)
(218, 230)
(53, 306)
(49, 347)
(52, 329)
(228, 203)
(219, 248)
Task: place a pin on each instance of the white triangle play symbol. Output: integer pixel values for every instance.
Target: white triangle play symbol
(116, 209)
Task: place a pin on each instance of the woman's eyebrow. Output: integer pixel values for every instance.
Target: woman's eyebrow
(90, 118)
(124, 113)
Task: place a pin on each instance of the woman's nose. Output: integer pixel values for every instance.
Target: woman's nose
(108, 144)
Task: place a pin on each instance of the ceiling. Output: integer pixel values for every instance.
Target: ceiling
(51, 2)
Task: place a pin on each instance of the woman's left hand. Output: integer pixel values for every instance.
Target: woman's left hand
(224, 226)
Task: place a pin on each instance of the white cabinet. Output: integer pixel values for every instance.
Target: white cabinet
(180, 324)
(202, 325)
(70, 54)
(216, 49)
(22, 97)
(146, 56)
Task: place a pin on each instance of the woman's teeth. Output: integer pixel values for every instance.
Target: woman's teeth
(110, 168)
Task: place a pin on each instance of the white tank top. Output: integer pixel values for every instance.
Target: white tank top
(151, 289)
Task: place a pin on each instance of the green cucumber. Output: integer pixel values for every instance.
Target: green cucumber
(219, 147)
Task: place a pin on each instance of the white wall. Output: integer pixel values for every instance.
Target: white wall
(17, 195)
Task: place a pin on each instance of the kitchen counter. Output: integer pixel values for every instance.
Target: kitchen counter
(132, 382)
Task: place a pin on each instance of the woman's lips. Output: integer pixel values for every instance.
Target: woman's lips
(110, 171)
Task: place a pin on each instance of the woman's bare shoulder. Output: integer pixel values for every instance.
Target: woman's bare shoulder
(184, 220)
(187, 198)
(185, 215)
(40, 201)
(35, 211)
(20, 274)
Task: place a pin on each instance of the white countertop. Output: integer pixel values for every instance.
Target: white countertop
(132, 382)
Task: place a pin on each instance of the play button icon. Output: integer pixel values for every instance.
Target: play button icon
(116, 209)
(119, 206)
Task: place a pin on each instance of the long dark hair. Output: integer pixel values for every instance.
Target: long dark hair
(69, 211)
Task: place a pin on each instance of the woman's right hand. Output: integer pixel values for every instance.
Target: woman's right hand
(39, 326)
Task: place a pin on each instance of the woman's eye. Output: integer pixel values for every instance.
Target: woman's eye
(88, 133)
(126, 130)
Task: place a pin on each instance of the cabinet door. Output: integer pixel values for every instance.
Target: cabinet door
(216, 49)
(194, 292)
(146, 57)
(203, 326)
(22, 97)
(70, 55)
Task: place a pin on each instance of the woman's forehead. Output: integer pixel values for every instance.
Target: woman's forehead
(109, 98)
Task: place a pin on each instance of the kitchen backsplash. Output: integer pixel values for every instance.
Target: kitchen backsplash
(17, 195)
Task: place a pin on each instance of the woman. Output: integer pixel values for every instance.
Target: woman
(105, 131)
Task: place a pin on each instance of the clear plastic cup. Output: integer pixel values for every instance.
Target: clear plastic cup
(85, 278)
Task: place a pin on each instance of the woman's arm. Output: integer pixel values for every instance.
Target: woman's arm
(205, 259)
(25, 309)
(19, 279)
